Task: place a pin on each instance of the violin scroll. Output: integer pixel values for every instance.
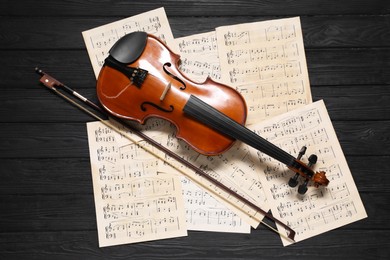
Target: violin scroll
(320, 179)
(305, 171)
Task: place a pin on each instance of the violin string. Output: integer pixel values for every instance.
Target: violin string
(291, 233)
(214, 118)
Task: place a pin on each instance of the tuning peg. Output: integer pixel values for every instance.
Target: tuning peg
(301, 152)
(312, 160)
(293, 181)
(303, 187)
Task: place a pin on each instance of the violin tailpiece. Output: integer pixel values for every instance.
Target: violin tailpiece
(135, 75)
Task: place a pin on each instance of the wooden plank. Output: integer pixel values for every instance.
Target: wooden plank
(359, 102)
(44, 140)
(66, 212)
(349, 66)
(35, 104)
(372, 244)
(363, 138)
(192, 7)
(318, 31)
(326, 67)
(38, 104)
(73, 175)
(46, 176)
(70, 67)
(35, 213)
(53, 140)
(47, 209)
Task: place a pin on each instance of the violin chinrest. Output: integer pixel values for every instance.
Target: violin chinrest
(129, 48)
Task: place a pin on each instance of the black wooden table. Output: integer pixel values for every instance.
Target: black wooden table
(47, 207)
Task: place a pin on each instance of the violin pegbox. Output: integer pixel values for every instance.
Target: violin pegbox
(318, 178)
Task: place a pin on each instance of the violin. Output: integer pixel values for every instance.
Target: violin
(140, 79)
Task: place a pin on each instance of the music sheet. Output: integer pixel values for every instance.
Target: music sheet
(99, 40)
(205, 205)
(228, 169)
(199, 56)
(320, 209)
(133, 201)
(266, 63)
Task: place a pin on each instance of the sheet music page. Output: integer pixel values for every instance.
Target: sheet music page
(133, 201)
(266, 63)
(99, 40)
(320, 209)
(199, 56)
(204, 210)
(205, 213)
(230, 169)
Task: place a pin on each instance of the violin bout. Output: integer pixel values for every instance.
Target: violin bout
(140, 80)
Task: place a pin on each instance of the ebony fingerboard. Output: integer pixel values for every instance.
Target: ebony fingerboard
(213, 118)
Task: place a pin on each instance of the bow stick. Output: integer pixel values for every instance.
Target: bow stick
(54, 85)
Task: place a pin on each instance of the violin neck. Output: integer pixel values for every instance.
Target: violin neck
(213, 118)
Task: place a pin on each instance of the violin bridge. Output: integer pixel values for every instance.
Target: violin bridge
(167, 88)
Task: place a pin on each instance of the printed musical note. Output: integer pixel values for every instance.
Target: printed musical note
(231, 170)
(265, 62)
(99, 40)
(134, 173)
(237, 38)
(262, 54)
(199, 43)
(204, 212)
(320, 209)
(280, 32)
(199, 56)
(133, 201)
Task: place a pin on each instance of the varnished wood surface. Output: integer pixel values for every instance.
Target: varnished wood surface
(47, 208)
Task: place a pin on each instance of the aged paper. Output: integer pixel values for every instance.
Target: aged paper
(205, 213)
(229, 169)
(199, 56)
(99, 40)
(266, 63)
(133, 201)
(202, 211)
(205, 205)
(320, 209)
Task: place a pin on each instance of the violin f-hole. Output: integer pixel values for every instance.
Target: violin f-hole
(143, 108)
(173, 76)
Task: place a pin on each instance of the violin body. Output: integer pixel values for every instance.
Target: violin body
(162, 91)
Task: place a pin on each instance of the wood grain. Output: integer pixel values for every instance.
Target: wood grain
(194, 7)
(47, 207)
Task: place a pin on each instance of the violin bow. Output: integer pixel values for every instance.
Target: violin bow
(54, 85)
